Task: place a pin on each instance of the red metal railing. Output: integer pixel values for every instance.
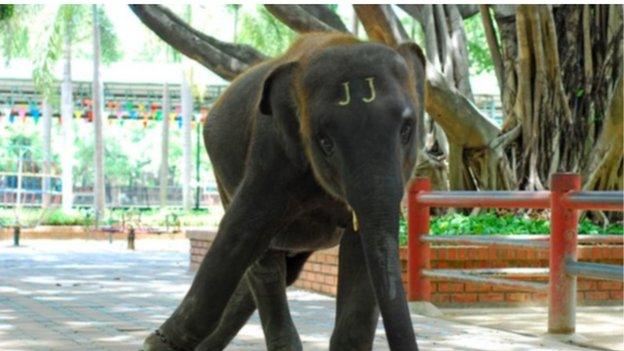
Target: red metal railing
(564, 200)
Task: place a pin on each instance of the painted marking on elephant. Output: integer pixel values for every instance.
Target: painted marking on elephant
(371, 85)
(347, 99)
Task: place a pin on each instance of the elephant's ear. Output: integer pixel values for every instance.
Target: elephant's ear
(277, 88)
(278, 100)
(417, 64)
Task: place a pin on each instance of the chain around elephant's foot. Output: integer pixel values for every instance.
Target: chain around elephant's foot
(157, 341)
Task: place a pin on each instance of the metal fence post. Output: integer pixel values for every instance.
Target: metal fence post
(418, 257)
(16, 235)
(563, 242)
(131, 237)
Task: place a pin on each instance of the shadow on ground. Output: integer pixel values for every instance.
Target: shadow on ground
(88, 295)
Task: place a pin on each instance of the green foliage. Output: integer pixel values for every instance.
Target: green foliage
(111, 52)
(60, 217)
(52, 23)
(509, 224)
(14, 33)
(6, 11)
(478, 51)
(18, 138)
(47, 49)
(264, 32)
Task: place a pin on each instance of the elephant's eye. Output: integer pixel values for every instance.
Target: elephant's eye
(406, 131)
(326, 144)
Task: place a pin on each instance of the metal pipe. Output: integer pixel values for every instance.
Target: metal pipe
(538, 240)
(502, 272)
(595, 200)
(486, 199)
(475, 278)
(498, 240)
(595, 270)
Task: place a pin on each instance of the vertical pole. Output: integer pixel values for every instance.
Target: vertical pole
(47, 153)
(16, 235)
(97, 106)
(67, 112)
(197, 162)
(164, 148)
(131, 237)
(418, 258)
(563, 242)
(187, 110)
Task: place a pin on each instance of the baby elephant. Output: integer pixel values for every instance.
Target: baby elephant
(310, 149)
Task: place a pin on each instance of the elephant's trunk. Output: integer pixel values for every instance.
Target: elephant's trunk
(376, 202)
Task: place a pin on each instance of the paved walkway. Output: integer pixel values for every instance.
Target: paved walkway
(86, 295)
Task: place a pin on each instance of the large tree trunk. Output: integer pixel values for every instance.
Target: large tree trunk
(97, 99)
(559, 65)
(164, 148)
(67, 111)
(606, 161)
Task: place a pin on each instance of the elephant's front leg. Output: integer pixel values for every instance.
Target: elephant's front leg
(356, 310)
(255, 213)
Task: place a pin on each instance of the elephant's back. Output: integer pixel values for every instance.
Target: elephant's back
(227, 130)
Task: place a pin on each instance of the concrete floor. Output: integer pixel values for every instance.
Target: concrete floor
(598, 326)
(89, 295)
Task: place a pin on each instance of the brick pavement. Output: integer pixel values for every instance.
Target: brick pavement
(90, 295)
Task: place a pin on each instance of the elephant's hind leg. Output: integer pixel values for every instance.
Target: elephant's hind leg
(267, 280)
(242, 305)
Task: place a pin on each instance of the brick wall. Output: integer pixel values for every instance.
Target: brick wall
(320, 273)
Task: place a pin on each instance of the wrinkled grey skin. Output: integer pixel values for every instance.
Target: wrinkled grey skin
(291, 168)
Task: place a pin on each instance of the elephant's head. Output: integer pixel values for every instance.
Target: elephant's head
(357, 107)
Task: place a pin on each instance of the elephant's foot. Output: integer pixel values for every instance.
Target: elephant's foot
(287, 343)
(157, 341)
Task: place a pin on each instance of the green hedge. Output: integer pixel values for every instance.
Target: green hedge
(490, 223)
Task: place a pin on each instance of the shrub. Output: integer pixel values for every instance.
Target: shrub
(490, 223)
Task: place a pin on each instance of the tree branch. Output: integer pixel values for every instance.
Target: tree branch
(468, 11)
(297, 18)
(460, 51)
(417, 11)
(225, 59)
(325, 15)
(492, 42)
(461, 120)
(381, 24)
